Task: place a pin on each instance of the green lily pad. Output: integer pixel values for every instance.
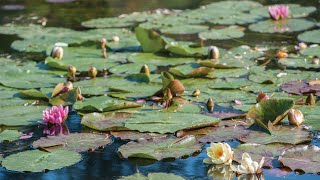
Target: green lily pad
(78, 142)
(228, 73)
(37, 161)
(66, 99)
(310, 36)
(103, 104)
(9, 135)
(229, 83)
(190, 70)
(271, 110)
(280, 134)
(184, 29)
(270, 152)
(298, 62)
(160, 148)
(302, 157)
(311, 51)
(130, 68)
(107, 121)
(311, 116)
(150, 40)
(266, 88)
(21, 115)
(185, 49)
(282, 26)
(132, 135)
(223, 33)
(34, 93)
(152, 176)
(168, 122)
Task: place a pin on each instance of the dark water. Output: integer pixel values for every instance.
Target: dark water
(106, 163)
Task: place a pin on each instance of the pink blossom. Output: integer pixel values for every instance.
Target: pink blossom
(278, 12)
(55, 115)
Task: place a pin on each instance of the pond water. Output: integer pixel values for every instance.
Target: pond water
(106, 163)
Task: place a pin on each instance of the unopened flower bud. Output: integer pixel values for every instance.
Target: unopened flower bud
(311, 100)
(261, 97)
(145, 70)
(300, 46)
(282, 54)
(57, 52)
(315, 60)
(103, 47)
(72, 71)
(115, 38)
(92, 72)
(295, 117)
(167, 95)
(69, 85)
(213, 53)
(210, 105)
(196, 93)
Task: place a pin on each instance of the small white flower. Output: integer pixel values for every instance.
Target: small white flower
(248, 166)
(219, 153)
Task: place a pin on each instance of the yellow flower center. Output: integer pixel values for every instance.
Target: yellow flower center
(218, 151)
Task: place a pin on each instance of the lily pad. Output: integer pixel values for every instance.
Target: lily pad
(9, 135)
(310, 36)
(298, 62)
(185, 49)
(311, 116)
(130, 68)
(150, 40)
(184, 29)
(280, 134)
(132, 135)
(103, 104)
(282, 26)
(223, 33)
(270, 152)
(152, 176)
(311, 51)
(271, 110)
(78, 142)
(37, 160)
(160, 148)
(302, 157)
(190, 70)
(168, 122)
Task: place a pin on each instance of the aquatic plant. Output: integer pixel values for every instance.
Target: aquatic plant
(55, 116)
(220, 153)
(248, 166)
(278, 12)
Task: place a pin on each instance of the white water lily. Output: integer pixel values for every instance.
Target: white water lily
(248, 166)
(219, 153)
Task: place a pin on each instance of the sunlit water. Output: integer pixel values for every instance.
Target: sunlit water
(106, 163)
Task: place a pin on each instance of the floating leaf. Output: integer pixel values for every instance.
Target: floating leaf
(37, 161)
(311, 116)
(223, 33)
(184, 29)
(21, 115)
(67, 98)
(272, 110)
(280, 134)
(132, 135)
(282, 26)
(9, 135)
(168, 122)
(311, 51)
(77, 142)
(103, 104)
(190, 70)
(152, 176)
(150, 40)
(34, 93)
(298, 62)
(270, 152)
(310, 36)
(302, 157)
(160, 148)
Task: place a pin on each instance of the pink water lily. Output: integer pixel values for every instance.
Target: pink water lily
(56, 115)
(278, 12)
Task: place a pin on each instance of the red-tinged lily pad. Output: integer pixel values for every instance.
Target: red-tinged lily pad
(78, 142)
(160, 148)
(300, 87)
(280, 134)
(132, 135)
(217, 134)
(302, 157)
(270, 152)
(107, 121)
(272, 110)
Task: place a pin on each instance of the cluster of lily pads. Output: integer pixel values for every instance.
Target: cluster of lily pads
(131, 77)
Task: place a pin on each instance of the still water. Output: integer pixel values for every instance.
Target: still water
(106, 163)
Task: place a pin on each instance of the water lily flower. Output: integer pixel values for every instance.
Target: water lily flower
(55, 116)
(248, 166)
(295, 117)
(219, 153)
(278, 12)
(115, 38)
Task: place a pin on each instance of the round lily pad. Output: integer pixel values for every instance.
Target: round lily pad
(184, 29)
(38, 161)
(152, 176)
(222, 34)
(298, 62)
(160, 148)
(282, 26)
(311, 51)
(132, 135)
(310, 36)
(77, 142)
(9, 135)
(311, 116)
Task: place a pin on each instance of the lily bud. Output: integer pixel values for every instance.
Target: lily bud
(310, 100)
(213, 53)
(145, 70)
(103, 47)
(79, 95)
(295, 117)
(72, 71)
(92, 72)
(176, 87)
(282, 54)
(315, 60)
(167, 95)
(69, 85)
(115, 38)
(261, 97)
(57, 52)
(196, 93)
(210, 105)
